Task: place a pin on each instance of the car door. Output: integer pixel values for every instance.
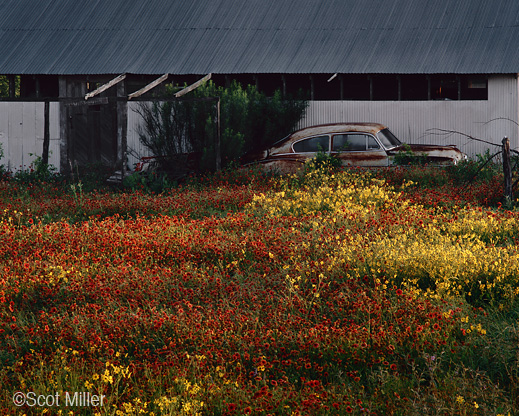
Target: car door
(358, 149)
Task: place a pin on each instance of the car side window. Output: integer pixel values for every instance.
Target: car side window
(313, 144)
(372, 143)
(353, 142)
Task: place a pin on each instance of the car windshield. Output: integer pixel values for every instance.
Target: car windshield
(388, 139)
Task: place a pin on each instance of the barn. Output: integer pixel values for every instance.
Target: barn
(434, 71)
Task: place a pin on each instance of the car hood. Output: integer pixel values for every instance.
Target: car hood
(433, 151)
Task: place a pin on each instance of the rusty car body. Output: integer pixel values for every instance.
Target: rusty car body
(355, 144)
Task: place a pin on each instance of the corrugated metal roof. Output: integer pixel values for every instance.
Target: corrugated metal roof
(258, 36)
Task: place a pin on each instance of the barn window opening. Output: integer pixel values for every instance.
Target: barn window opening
(414, 88)
(474, 88)
(297, 85)
(385, 88)
(444, 87)
(356, 87)
(39, 86)
(9, 86)
(326, 90)
(269, 83)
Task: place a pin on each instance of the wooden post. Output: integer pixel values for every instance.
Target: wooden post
(63, 127)
(12, 86)
(37, 86)
(218, 155)
(122, 127)
(507, 171)
(46, 134)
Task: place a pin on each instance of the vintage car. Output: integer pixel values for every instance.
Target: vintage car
(355, 144)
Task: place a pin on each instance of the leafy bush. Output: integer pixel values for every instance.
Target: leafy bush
(150, 181)
(3, 170)
(408, 157)
(93, 176)
(166, 130)
(38, 171)
(4, 86)
(324, 161)
(483, 168)
(248, 120)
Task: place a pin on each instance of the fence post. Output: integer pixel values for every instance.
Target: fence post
(46, 134)
(218, 155)
(507, 171)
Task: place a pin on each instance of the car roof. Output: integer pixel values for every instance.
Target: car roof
(373, 128)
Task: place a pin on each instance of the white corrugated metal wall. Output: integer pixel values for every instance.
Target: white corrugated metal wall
(22, 126)
(134, 146)
(419, 121)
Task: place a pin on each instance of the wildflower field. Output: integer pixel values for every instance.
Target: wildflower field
(327, 293)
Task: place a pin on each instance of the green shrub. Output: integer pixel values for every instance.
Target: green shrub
(93, 176)
(324, 161)
(408, 157)
(483, 168)
(4, 86)
(3, 169)
(249, 120)
(38, 172)
(150, 182)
